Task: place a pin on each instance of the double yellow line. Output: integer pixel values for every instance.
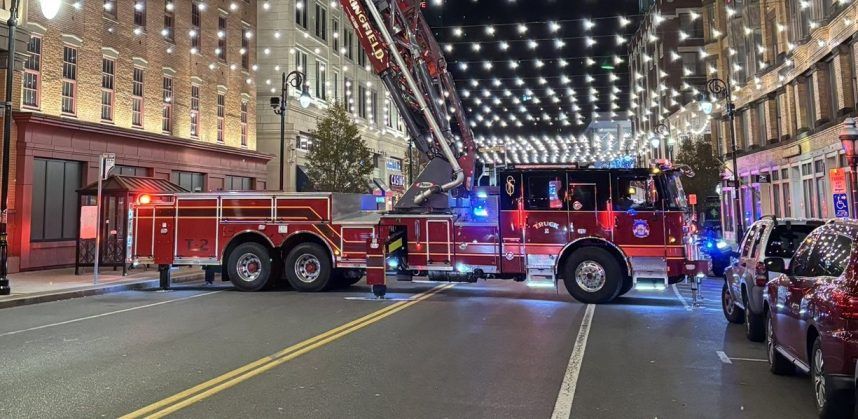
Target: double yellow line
(215, 385)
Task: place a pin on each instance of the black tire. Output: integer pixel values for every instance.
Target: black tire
(778, 364)
(755, 324)
(627, 286)
(829, 403)
(250, 267)
(308, 268)
(600, 264)
(732, 312)
(344, 278)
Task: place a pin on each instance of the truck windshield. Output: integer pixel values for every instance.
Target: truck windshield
(674, 195)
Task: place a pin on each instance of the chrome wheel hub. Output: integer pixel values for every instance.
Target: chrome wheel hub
(819, 378)
(307, 268)
(590, 276)
(249, 267)
(770, 342)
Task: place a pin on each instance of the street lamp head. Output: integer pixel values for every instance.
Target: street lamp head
(849, 136)
(706, 105)
(50, 8)
(305, 98)
(654, 141)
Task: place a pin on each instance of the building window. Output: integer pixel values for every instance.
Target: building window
(54, 214)
(301, 62)
(335, 34)
(374, 107)
(238, 183)
(245, 48)
(32, 73)
(304, 143)
(110, 9)
(335, 82)
(761, 124)
(221, 38)
(349, 44)
(363, 98)
(69, 105)
(108, 67)
(361, 58)
(167, 113)
(349, 98)
(123, 170)
(137, 98)
(244, 123)
(691, 25)
(321, 22)
(321, 89)
(810, 100)
(192, 181)
(301, 13)
(169, 21)
(221, 113)
(833, 89)
(821, 201)
(140, 13)
(196, 24)
(388, 117)
(195, 111)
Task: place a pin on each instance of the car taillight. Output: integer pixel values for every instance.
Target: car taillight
(761, 274)
(847, 304)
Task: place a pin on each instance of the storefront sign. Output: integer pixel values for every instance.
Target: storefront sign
(88, 222)
(838, 193)
(761, 178)
(397, 181)
(394, 165)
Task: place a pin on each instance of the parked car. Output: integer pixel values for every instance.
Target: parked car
(746, 277)
(812, 315)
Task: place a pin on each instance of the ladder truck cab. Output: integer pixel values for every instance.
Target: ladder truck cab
(601, 231)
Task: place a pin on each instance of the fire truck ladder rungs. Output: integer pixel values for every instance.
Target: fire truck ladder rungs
(424, 107)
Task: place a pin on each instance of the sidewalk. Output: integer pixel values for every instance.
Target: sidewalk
(61, 284)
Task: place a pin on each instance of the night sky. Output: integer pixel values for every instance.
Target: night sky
(459, 25)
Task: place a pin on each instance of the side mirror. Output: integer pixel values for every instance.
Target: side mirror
(776, 265)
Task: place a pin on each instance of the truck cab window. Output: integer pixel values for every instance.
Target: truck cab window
(545, 192)
(582, 197)
(635, 193)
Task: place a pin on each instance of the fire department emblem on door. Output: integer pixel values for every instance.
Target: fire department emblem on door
(640, 229)
(510, 185)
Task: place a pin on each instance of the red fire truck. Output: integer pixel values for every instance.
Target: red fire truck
(601, 231)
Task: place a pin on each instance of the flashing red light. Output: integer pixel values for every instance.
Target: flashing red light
(144, 199)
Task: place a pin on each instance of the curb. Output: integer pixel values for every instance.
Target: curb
(68, 294)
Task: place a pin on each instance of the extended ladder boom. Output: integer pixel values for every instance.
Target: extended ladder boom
(407, 58)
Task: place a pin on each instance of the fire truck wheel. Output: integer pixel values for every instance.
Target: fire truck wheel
(249, 267)
(308, 268)
(627, 286)
(593, 276)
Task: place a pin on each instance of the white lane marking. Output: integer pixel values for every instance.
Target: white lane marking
(110, 313)
(749, 359)
(724, 358)
(378, 299)
(563, 405)
(680, 297)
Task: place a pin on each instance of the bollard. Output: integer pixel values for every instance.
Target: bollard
(695, 289)
(165, 277)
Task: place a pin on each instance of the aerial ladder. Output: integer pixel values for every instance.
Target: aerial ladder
(405, 55)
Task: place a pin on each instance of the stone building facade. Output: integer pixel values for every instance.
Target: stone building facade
(666, 65)
(792, 66)
(167, 86)
(315, 38)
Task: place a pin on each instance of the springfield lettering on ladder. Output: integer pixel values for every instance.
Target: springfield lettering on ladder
(363, 20)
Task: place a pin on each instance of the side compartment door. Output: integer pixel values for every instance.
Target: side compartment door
(165, 234)
(439, 243)
(196, 228)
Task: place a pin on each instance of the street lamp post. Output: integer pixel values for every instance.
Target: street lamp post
(849, 138)
(12, 23)
(721, 91)
(280, 103)
(663, 130)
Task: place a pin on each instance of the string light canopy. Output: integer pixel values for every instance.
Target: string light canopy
(533, 75)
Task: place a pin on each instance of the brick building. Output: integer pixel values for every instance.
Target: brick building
(166, 85)
(315, 37)
(667, 65)
(792, 65)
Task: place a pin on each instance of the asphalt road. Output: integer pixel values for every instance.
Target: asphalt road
(491, 350)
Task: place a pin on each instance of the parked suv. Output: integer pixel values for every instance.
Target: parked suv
(746, 277)
(812, 315)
